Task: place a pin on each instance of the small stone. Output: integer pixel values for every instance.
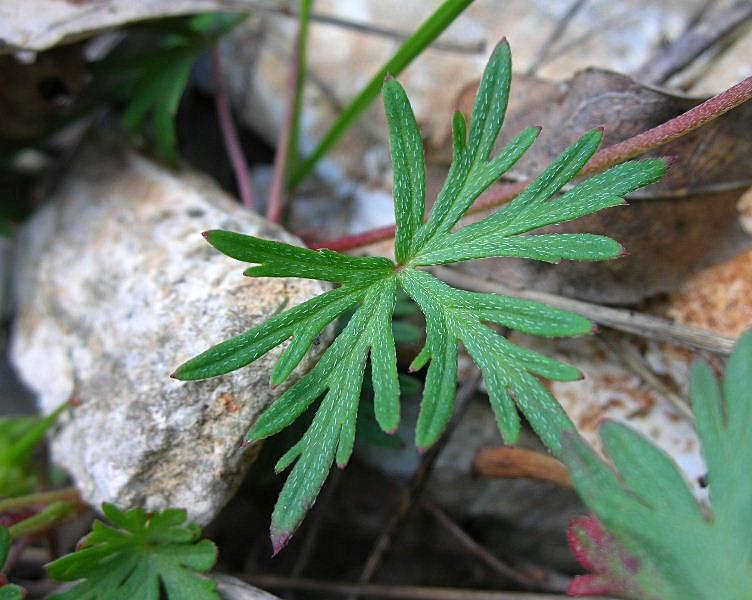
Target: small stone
(115, 287)
(231, 588)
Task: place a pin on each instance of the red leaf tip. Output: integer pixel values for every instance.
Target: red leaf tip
(279, 541)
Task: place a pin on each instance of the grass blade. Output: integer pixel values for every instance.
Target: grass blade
(413, 46)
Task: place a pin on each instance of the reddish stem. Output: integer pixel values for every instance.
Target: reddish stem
(230, 134)
(652, 138)
(276, 207)
(670, 130)
(357, 240)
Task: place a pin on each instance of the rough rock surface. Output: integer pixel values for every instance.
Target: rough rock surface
(115, 288)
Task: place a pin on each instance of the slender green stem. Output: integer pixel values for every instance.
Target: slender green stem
(69, 494)
(293, 156)
(413, 46)
(44, 520)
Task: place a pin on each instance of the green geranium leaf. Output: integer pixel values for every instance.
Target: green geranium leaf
(140, 555)
(369, 286)
(677, 549)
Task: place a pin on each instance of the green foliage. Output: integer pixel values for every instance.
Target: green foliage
(19, 439)
(412, 47)
(369, 286)
(682, 550)
(141, 555)
(8, 591)
(154, 81)
(304, 22)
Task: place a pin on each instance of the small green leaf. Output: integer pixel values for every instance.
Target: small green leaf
(154, 81)
(136, 556)
(20, 437)
(11, 592)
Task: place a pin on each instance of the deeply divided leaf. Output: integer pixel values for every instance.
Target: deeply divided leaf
(368, 288)
(680, 549)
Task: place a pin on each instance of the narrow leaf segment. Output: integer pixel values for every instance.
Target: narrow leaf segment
(369, 286)
(677, 548)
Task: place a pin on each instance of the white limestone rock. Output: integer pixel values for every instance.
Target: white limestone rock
(115, 288)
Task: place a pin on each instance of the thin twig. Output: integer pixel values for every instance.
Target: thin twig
(529, 578)
(70, 494)
(700, 38)
(286, 145)
(511, 462)
(417, 483)
(698, 15)
(558, 31)
(617, 22)
(230, 133)
(45, 519)
(635, 362)
(392, 592)
(653, 138)
(640, 324)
